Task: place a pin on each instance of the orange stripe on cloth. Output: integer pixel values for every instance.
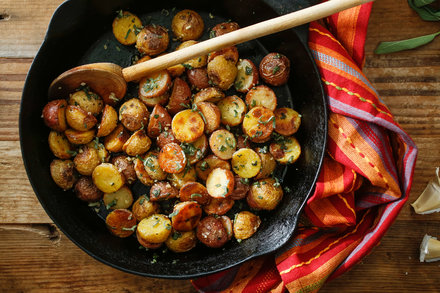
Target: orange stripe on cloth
(330, 212)
(347, 21)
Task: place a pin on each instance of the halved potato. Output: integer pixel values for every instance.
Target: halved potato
(258, 124)
(241, 188)
(152, 166)
(126, 167)
(265, 194)
(152, 40)
(121, 223)
(194, 191)
(100, 148)
(54, 115)
(186, 216)
(63, 173)
(275, 69)
(162, 190)
(210, 94)
(205, 166)
(180, 98)
(210, 114)
(79, 137)
(287, 121)
(268, 163)
(165, 137)
(143, 208)
(133, 114)
(160, 100)
(245, 224)
(232, 110)
(220, 183)
(211, 232)
(138, 143)
(154, 229)
(160, 121)
(198, 78)
(141, 173)
(120, 199)
(126, 26)
(230, 54)
(187, 25)
(247, 76)
(181, 241)
(179, 179)
(116, 139)
(86, 160)
(154, 85)
(107, 178)
(187, 126)
(222, 72)
(195, 151)
(86, 190)
(88, 101)
(286, 151)
(172, 159)
(223, 144)
(109, 121)
(60, 146)
(227, 224)
(262, 96)
(219, 206)
(195, 62)
(79, 119)
(246, 163)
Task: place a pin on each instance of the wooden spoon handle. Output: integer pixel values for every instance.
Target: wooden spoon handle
(251, 32)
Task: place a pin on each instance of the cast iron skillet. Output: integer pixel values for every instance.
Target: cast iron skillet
(76, 34)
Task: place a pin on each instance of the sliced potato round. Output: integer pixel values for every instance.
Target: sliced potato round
(79, 119)
(179, 179)
(154, 229)
(219, 206)
(265, 194)
(141, 173)
(152, 40)
(205, 166)
(63, 173)
(143, 208)
(194, 191)
(126, 167)
(286, 151)
(86, 190)
(195, 151)
(222, 72)
(287, 121)
(54, 115)
(125, 25)
(258, 124)
(180, 98)
(181, 241)
(210, 114)
(220, 183)
(120, 199)
(163, 190)
(187, 25)
(246, 163)
(187, 126)
(138, 143)
(245, 224)
(268, 163)
(107, 178)
(195, 62)
(172, 159)
(79, 137)
(133, 114)
(210, 94)
(88, 101)
(109, 121)
(60, 146)
(223, 144)
(115, 141)
(232, 110)
(160, 100)
(152, 166)
(86, 160)
(247, 76)
(121, 223)
(160, 121)
(186, 215)
(262, 96)
(154, 85)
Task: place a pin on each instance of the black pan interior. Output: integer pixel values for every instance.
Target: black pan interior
(78, 33)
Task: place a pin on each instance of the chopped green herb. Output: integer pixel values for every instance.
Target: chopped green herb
(176, 235)
(129, 229)
(156, 116)
(212, 34)
(248, 70)
(72, 153)
(218, 185)
(156, 192)
(260, 197)
(275, 69)
(187, 66)
(254, 163)
(128, 33)
(185, 105)
(174, 213)
(165, 12)
(253, 103)
(143, 199)
(94, 204)
(222, 148)
(194, 195)
(120, 14)
(137, 29)
(244, 181)
(277, 56)
(263, 150)
(111, 204)
(204, 166)
(151, 83)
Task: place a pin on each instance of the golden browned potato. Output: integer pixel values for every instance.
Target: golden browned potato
(126, 26)
(187, 126)
(211, 232)
(246, 163)
(160, 100)
(230, 54)
(54, 115)
(194, 191)
(195, 151)
(268, 163)
(155, 85)
(79, 119)
(223, 144)
(223, 28)
(107, 178)
(287, 121)
(172, 159)
(180, 96)
(265, 194)
(154, 229)
(198, 78)
(275, 69)
(162, 190)
(152, 40)
(286, 151)
(247, 76)
(160, 121)
(126, 167)
(133, 114)
(195, 62)
(179, 179)
(143, 208)
(187, 25)
(100, 148)
(210, 94)
(109, 121)
(258, 124)
(152, 166)
(88, 101)
(222, 72)
(227, 224)
(138, 143)
(120, 199)
(121, 223)
(60, 146)
(79, 137)
(210, 114)
(86, 160)
(116, 139)
(141, 173)
(63, 173)
(181, 241)
(185, 216)
(219, 206)
(220, 183)
(245, 224)
(241, 188)
(205, 166)
(85, 190)
(232, 110)
(261, 96)
(166, 137)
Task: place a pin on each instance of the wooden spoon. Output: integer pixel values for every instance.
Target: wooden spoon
(109, 80)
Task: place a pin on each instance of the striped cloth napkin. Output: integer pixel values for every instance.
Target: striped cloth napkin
(365, 179)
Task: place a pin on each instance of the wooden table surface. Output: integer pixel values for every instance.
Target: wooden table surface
(35, 256)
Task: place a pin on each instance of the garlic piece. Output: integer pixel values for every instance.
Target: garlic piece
(429, 249)
(429, 201)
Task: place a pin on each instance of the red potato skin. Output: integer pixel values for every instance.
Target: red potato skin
(118, 219)
(230, 54)
(148, 41)
(198, 78)
(240, 189)
(172, 159)
(166, 137)
(227, 224)
(187, 216)
(162, 191)
(224, 28)
(211, 232)
(180, 94)
(275, 69)
(255, 77)
(126, 167)
(242, 142)
(86, 190)
(219, 206)
(190, 188)
(159, 120)
(54, 115)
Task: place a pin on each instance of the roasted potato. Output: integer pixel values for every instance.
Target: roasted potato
(287, 121)
(152, 166)
(286, 150)
(107, 178)
(220, 183)
(230, 54)
(181, 241)
(160, 100)
(241, 188)
(86, 160)
(154, 229)
(194, 191)
(166, 137)
(143, 208)
(160, 121)
(211, 232)
(223, 28)
(242, 141)
(54, 115)
(172, 159)
(268, 163)
(186, 216)
(258, 124)
(79, 137)
(265, 194)
(222, 72)
(206, 165)
(100, 148)
(195, 62)
(88, 101)
(187, 25)
(232, 110)
(162, 191)
(152, 40)
(179, 179)
(63, 173)
(227, 224)
(275, 69)
(133, 114)
(218, 206)
(155, 85)
(60, 146)
(116, 139)
(120, 199)
(198, 78)
(195, 151)
(148, 245)
(210, 94)
(261, 96)
(79, 119)
(187, 126)
(180, 96)
(141, 173)
(126, 167)
(223, 144)
(121, 223)
(245, 224)
(86, 190)
(138, 143)
(109, 121)
(210, 114)
(126, 26)
(247, 76)
(246, 163)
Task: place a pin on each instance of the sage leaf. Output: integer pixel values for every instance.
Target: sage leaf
(425, 12)
(391, 47)
(421, 3)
